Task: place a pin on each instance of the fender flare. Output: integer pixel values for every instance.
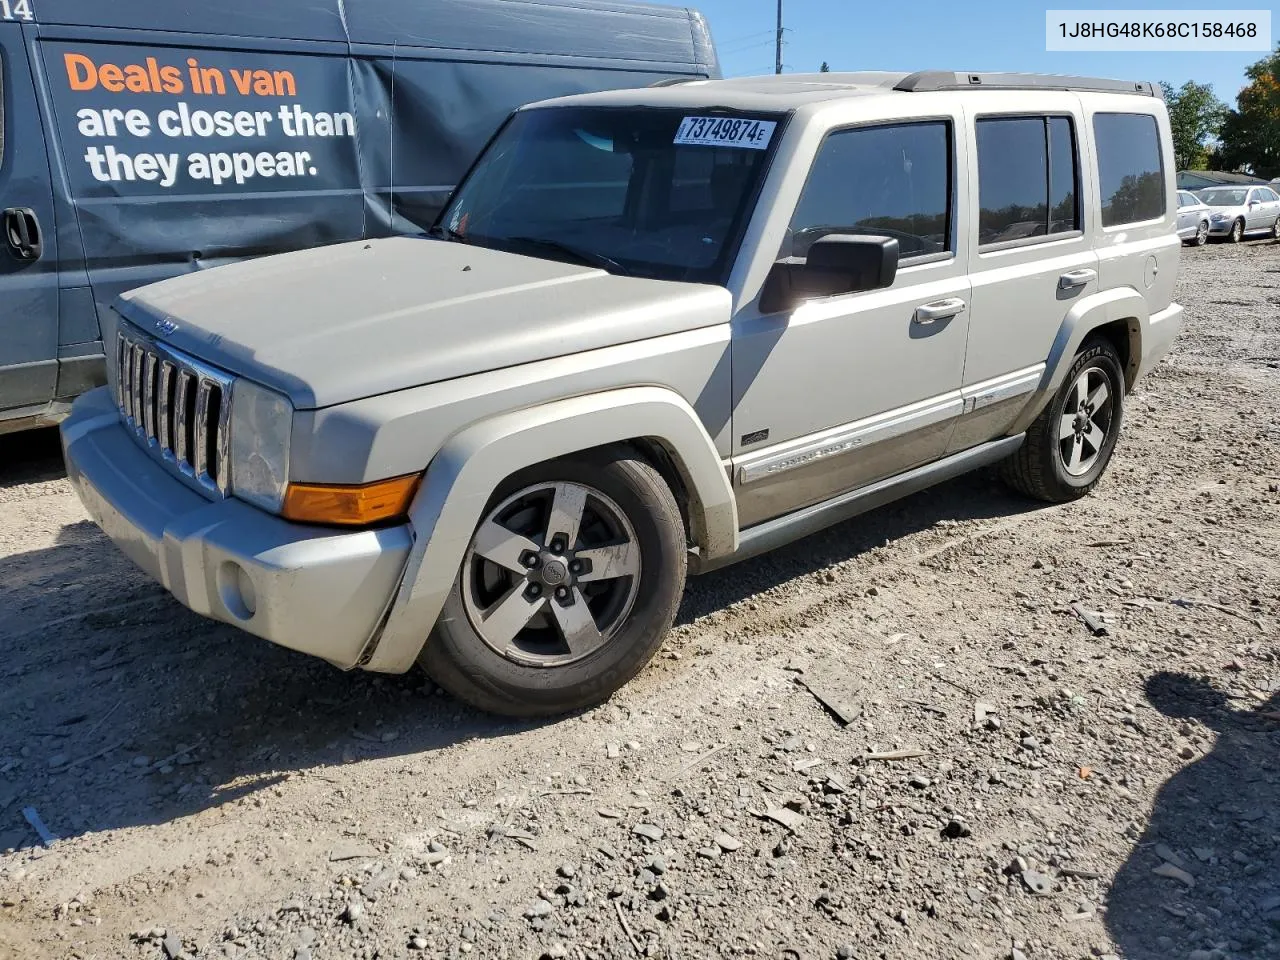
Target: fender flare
(1121, 304)
(468, 468)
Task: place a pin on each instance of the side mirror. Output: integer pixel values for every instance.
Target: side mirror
(837, 263)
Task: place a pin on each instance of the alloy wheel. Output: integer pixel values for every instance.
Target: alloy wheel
(1202, 233)
(1237, 231)
(551, 574)
(1085, 421)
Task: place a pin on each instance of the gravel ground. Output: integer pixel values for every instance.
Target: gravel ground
(991, 780)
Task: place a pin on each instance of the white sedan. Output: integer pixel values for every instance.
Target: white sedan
(1240, 211)
(1193, 218)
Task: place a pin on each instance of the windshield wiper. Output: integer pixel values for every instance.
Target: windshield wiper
(588, 257)
(447, 233)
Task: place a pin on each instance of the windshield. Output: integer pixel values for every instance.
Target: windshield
(639, 191)
(1223, 198)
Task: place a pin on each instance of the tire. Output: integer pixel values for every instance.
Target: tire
(1275, 229)
(1202, 233)
(1043, 466)
(537, 672)
(1237, 232)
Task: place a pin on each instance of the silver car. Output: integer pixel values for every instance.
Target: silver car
(1193, 218)
(1240, 211)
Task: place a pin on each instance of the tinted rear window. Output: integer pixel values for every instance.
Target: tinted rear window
(1130, 168)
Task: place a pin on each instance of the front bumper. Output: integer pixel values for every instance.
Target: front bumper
(312, 589)
(1220, 229)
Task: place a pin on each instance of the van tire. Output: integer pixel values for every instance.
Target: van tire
(516, 678)
(1040, 468)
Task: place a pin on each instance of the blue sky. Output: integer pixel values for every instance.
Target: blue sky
(951, 35)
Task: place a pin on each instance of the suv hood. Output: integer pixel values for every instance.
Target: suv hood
(344, 322)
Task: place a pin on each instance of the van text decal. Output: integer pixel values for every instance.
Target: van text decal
(137, 117)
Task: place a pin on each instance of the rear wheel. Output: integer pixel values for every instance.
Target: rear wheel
(1069, 445)
(568, 588)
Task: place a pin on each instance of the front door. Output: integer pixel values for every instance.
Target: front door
(847, 390)
(29, 256)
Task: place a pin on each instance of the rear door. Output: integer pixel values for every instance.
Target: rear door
(1033, 257)
(29, 258)
(183, 151)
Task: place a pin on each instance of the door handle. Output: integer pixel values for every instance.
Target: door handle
(938, 310)
(22, 231)
(1077, 278)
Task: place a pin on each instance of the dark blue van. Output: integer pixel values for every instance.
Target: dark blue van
(139, 140)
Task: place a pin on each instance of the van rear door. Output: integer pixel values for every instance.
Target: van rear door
(29, 260)
(185, 150)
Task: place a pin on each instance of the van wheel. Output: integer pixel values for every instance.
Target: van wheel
(1237, 231)
(568, 587)
(1070, 444)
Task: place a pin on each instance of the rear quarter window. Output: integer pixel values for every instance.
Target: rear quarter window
(1130, 168)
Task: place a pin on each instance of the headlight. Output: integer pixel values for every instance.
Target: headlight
(261, 421)
(1218, 217)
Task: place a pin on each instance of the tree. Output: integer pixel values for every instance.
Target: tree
(1196, 116)
(1251, 132)
(825, 68)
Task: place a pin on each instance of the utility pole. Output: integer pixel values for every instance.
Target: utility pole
(778, 58)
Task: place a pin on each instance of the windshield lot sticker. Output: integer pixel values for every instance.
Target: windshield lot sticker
(740, 132)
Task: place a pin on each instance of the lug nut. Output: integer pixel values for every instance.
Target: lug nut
(529, 559)
(533, 592)
(561, 592)
(557, 546)
(575, 566)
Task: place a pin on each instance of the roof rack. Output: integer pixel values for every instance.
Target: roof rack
(929, 80)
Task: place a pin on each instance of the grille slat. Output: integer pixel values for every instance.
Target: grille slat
(149, 396)
(177, 408)
(163, 411)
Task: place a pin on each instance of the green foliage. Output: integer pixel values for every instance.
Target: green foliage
(1251, 133)
(1196, 116)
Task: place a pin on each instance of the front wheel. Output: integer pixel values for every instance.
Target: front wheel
(1275, 229)
(1237, 231)
(1069, 445)
(1202, 233)
(567, 589)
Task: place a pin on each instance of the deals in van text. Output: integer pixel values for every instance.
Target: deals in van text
(137, 120)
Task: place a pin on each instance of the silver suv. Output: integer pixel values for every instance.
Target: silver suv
(654, 331)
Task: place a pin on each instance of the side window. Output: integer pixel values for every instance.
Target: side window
(886, 180)
(1027, 178)
(1269, 195)
(1130, 167)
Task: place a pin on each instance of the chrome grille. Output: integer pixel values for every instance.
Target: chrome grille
(178, 408)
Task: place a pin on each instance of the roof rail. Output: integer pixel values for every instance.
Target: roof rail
(927, 80)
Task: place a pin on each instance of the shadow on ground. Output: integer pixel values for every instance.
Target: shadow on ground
(99, 668)
(1218, 820)
(30, 457)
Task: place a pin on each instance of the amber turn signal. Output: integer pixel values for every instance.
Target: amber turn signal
(350, 506)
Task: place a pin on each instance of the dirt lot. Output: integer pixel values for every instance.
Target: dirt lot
(1062, 795)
